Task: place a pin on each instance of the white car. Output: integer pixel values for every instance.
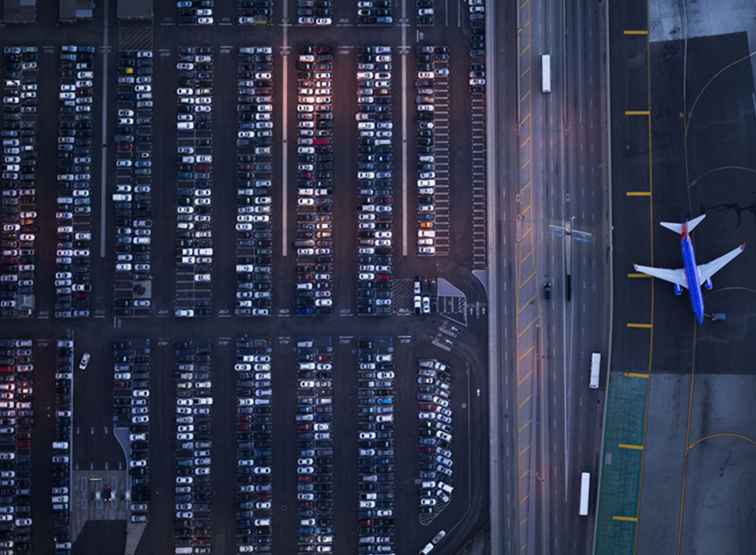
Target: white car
(84, 361)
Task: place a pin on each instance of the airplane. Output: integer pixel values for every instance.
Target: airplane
(691, 273)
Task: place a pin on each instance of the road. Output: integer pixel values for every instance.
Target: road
(556, 172)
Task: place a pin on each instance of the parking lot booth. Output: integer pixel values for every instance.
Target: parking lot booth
(71, 11)
(19, 11)
(135, 9)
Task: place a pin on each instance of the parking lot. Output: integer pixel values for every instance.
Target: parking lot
(263, 257)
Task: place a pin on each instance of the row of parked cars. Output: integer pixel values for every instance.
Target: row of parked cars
(254, 446)
(432, 74)
(131, 411)
(74, 179)
(374, 181)
(253, 12)
(375, 460)
(426, 12)
(435, 421)
(477, 11)
(194, 400)
(62, 446)
(16, 420)
(315, 446)
(195, 12)
(315, 12)
(314, 235)
(18, 203)
(374, 12)
(254, 231)
(194, 182)
(132, 195)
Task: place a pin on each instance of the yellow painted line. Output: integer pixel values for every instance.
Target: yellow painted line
(638, 275)
(521, 428)
(530, 301)
(637, 112)
(527, 279)
(639, 375)
(635, 32)
(525, 401)
(525, 329)
(639, 326)
(638, 193)
(530, 252)
(526, 353)
(731, 435)
(633, 446)
(625, 518)
(526, 376)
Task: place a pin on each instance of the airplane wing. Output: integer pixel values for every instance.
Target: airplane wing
(705, 271)
(673, 276)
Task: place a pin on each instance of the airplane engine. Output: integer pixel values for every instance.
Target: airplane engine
(709, 284)
(678, 290)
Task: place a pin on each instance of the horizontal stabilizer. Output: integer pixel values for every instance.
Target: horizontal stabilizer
(678, 228)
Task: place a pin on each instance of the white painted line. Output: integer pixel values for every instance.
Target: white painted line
(285, 153)
(104, 109)
(405, 211)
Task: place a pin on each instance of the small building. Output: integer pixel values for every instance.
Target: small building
(76, 10)
(135, 9)
(19, 11)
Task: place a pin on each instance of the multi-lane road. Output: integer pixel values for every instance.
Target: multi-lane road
(552, 216)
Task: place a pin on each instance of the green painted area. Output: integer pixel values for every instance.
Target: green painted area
(620, 474)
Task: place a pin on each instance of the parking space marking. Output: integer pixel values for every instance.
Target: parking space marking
(631, 446)
(638, 193)
(638, 275)
(640, 325)
(635, 32)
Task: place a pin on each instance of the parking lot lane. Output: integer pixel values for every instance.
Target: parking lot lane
(158, 536)
(345, 430)
(42, 438)
(285, 453)
(224, 168)
(164, 190)
(345, 171)
(224, 465)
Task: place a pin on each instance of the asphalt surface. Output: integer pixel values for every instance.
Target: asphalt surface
(555, 174)
(698, 440)
(95, 448)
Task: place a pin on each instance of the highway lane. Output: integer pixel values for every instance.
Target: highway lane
(569, 160)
